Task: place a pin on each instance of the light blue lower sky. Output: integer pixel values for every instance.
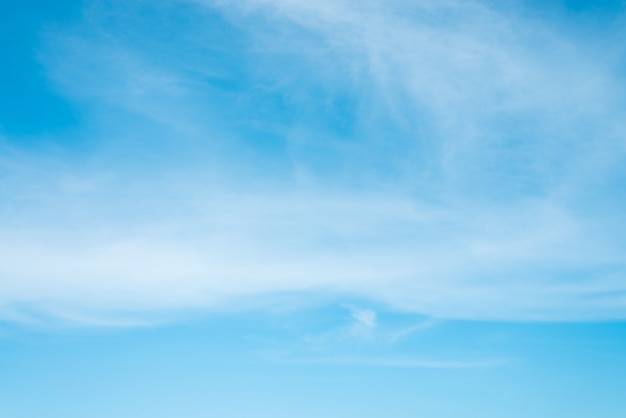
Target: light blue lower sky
(266, 365)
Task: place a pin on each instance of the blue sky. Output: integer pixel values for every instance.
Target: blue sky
(330, 208)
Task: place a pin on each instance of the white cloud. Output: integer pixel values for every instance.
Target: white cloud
(479, 179)
(497, 265)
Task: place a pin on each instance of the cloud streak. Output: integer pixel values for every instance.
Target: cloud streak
(406, 362)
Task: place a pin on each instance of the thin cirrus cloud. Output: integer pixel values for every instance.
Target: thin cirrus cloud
(451, 159)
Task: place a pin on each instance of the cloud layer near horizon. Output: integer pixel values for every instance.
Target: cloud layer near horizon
(455, 160)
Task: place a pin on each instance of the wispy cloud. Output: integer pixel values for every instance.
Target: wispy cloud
(400, 334)
(402, 362)
(365, 320)
(448, 158)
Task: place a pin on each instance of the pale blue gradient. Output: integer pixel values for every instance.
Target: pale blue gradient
(228, 366)
(293, 208)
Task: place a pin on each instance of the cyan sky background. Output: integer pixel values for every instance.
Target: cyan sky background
(291, 208)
